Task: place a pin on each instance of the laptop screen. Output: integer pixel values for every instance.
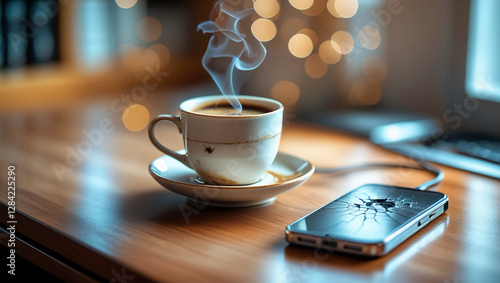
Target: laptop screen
(483, 56)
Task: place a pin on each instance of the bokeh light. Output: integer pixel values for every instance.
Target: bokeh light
(328, 52)
(311, 34)
(342, 8)
(346, 8)
(330, 6)
(131, 57)
(375, 69)
(266, 8)
(149, 29)
(285, 92)
(135, 117)
(315, 67)
(263, 29)
(370, 37)
(344, 41)
(301, 4)
(300, 45)
(125, 4)
(138, 59)
(364, 92)
(163, 53)
(149, 58)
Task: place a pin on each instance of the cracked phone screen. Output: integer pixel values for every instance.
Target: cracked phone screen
(369, 213)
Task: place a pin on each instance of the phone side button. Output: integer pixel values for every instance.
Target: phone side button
(423, 222)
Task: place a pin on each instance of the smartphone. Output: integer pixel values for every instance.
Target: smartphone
(370, 220)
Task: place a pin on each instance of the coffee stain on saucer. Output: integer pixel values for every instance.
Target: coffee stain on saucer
(209, 178)
(283, 178)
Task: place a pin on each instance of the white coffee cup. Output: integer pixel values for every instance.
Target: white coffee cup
(234, 149)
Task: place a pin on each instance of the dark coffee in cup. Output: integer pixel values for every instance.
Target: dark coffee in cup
(226, 109)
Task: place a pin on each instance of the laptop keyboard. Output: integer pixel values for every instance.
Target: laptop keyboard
(484, 149)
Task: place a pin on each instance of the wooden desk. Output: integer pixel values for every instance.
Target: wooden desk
(106, 219)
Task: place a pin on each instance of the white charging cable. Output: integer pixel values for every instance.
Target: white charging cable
(423, 166)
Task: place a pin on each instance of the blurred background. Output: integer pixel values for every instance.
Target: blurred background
(53, 52)
(324, 56)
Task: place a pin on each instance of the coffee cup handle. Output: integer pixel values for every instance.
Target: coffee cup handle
(177, 121)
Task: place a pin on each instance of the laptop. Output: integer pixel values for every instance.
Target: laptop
(460, 126)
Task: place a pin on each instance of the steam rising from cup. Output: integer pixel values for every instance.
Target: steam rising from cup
(232, 48)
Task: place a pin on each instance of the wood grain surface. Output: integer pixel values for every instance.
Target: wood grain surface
(104, 218)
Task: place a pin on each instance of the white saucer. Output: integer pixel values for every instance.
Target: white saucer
(286, 173)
